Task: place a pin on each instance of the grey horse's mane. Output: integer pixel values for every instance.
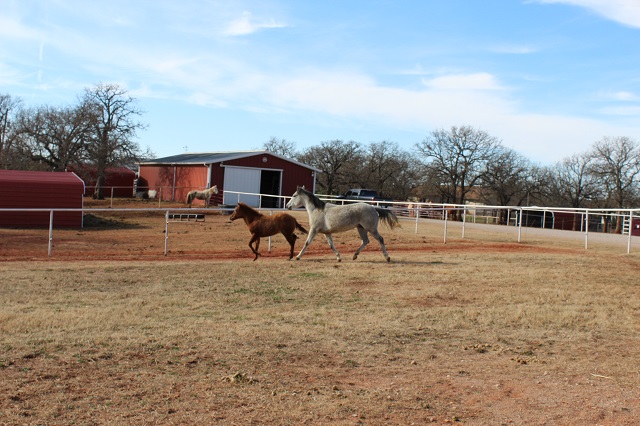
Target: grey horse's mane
(317, 202)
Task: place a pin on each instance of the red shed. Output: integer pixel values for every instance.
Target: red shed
(118, 180)
(50, 190)
(635, 227)
(255, 172)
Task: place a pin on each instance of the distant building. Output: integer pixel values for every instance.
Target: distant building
(21, 189)
(255, 172)
(118, 182)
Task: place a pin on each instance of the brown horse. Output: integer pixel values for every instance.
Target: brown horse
(265, 226)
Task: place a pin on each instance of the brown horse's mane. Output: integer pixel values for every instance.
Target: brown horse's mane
(249, 213)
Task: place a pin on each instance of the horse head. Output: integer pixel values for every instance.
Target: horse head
(302, 197)
(237, 213)
(296, 199)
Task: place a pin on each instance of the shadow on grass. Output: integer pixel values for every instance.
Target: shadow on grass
(92, 222)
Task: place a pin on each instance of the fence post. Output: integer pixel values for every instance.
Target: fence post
(112, 197)
(270, 213)
(444, 210)
(630, 231)
(464, 219)
(520, 225)
(166, 232)
(586, 231)
(417, 216)
(50, 232)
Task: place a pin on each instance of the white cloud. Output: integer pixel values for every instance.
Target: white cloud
(11, 28)
(629, 111)
(624, 96)
(626, 12)
(543, 138)
(476, 81)
(246, 25)
(513, 49)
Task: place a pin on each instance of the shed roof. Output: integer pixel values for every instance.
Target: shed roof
(216, 157)
(24, 176)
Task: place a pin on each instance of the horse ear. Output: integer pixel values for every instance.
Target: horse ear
(303, 187)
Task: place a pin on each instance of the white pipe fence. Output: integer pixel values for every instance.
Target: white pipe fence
(419, 212)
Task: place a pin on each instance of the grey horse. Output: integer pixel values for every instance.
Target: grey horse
(327, 218)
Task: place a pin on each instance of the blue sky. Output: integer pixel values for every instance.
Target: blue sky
(546, 77)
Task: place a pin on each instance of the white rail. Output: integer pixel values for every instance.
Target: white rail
(419, 212)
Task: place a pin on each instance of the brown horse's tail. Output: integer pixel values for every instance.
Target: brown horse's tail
(388, 217)
(300, 228)
(190, 197)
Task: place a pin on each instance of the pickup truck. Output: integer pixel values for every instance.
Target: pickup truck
(365, 195)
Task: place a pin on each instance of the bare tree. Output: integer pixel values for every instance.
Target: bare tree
(9, 108)
(116, 125)
(617, 164)
(336, 160)
(506, 178)
(281, 147)
(387, 169)
(573, 184)
(458, 159)
(55, 137)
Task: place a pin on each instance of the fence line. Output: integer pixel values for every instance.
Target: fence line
(420, 211)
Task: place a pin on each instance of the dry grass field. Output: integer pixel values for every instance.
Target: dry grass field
(483, 330)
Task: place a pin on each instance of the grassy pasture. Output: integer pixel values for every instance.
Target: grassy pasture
(473, 332)
(465, 336)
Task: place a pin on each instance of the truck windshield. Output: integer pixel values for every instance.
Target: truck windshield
(368, 193)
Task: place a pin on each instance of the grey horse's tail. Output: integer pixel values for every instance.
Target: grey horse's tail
(190, 197)
(388, 217)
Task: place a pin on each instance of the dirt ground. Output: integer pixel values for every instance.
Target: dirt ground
(488, 380)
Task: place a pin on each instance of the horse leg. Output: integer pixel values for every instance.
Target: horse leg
(330, 241)
(365, 241)
(256, 239)
(291, 238)
(310, 237)
(378, 237)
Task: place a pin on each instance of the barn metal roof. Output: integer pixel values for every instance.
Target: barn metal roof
(215, 157)
(25, 176)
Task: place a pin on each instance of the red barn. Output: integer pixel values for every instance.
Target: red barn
(635, 227)
(118, 180)
(255, 172)
(51, 190)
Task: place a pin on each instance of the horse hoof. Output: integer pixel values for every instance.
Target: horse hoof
(355, 256)
(389, 259)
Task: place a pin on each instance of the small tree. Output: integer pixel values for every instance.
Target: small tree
(457, 159)
(9, 108)
(573, 184)
(55, 137)
(387, 169)
(281, 147)
(617, 164)
(506, 178)
(115, 125)
(336, 160)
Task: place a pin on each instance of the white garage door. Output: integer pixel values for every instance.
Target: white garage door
(240, 179)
